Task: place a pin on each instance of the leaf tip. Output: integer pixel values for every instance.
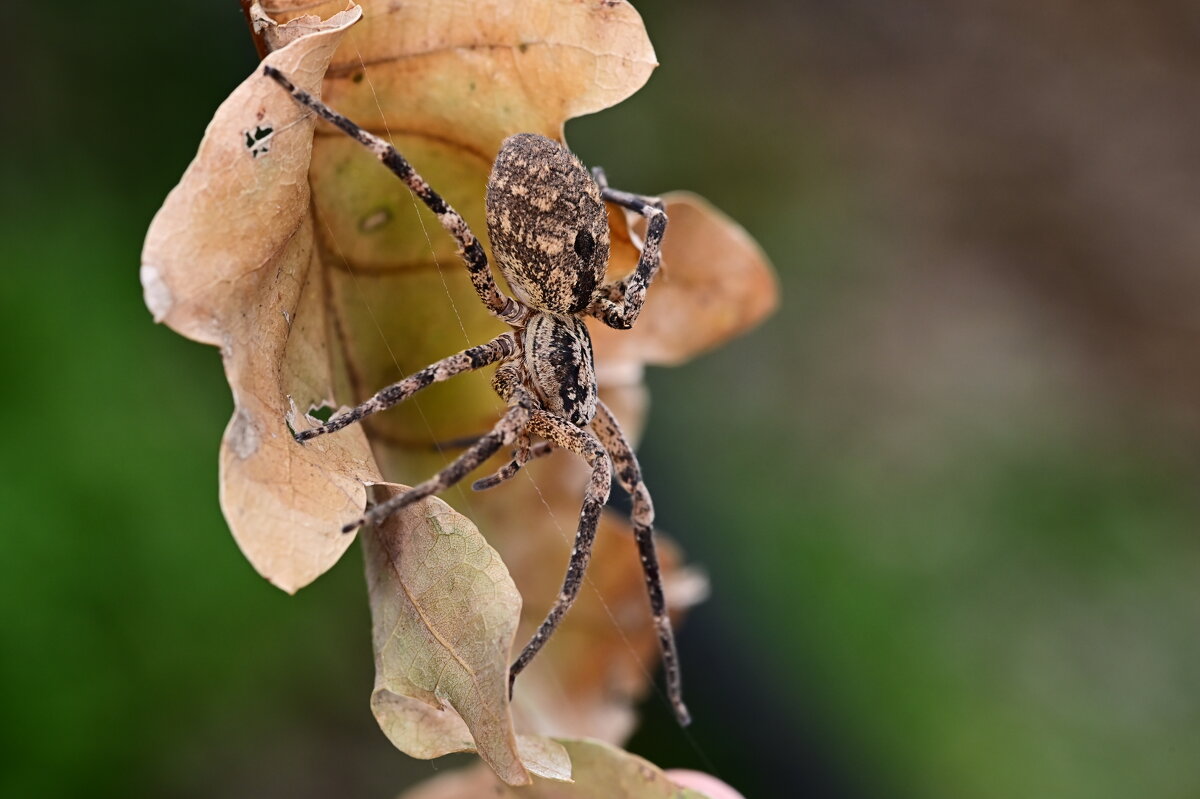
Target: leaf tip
(545, 758)
(286, 587)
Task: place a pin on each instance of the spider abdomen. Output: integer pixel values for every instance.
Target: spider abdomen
(558, 359)
(547, 224)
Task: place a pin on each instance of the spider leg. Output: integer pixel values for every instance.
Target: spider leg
(566, 435)
(618, 304)
(600, 177)
(472, 253)
(629, 475)
(499, 348)
(509, 470)
(506, 430)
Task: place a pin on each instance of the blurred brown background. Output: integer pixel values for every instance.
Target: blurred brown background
(946, 496)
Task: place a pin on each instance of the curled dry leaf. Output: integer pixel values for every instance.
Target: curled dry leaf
(601, 771)
(444, 611)
(229, 260)
(321, 280)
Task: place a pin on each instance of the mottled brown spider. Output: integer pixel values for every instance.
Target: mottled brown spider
(548, 226)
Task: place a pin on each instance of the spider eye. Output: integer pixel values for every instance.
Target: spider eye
(585, 245)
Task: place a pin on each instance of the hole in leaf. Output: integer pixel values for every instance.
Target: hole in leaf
(258, 141)
(322, 414)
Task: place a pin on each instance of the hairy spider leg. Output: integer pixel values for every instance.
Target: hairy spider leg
(619, 303)
(600, 177)
(470, 249)
(470, 359)
(523, 455)
(522, 405)
(566, 435)
(629, 475)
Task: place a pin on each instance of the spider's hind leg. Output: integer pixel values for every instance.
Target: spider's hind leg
(629, 475)
(566, 435)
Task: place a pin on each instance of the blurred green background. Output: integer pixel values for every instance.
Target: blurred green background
(946, 496)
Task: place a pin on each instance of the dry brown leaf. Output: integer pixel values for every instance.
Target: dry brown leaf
(423, 732)
(229, 261)
(444, 611)
(325, 296)
(716, 283)
(472, 73)
(601, 772)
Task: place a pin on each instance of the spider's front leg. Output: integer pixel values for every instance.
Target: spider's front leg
(470, 359)
(470, 249)
(618, 304)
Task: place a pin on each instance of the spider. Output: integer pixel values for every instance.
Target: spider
(549, 231)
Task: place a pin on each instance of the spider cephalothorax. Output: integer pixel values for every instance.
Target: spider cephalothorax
(548, 225)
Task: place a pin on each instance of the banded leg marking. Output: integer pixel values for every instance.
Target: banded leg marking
(470, 249)
(509, 470)
(564, 434)
(629, 475)
(505, 432)
(499, 348)
(618, 304)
